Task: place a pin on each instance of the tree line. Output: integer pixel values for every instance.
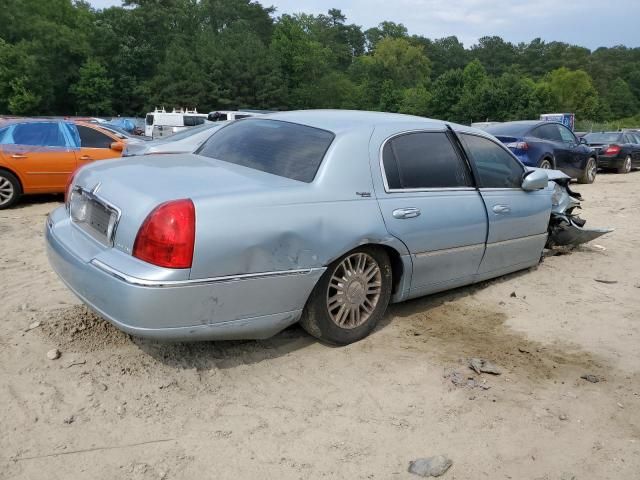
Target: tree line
(64, 57)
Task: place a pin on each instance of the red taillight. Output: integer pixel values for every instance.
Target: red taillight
(518, 145)
(612, 150)
(167, 236)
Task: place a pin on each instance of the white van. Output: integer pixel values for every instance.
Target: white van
(161, 123)
(224, 115)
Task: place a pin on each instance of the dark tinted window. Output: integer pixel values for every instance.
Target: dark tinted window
(423, 160)
(38, 134)
(603, 137)
(191, 121)
(90, 138)
(548, 132)
(566, 134)
(496, 167)
(281, 148)
(149, 120)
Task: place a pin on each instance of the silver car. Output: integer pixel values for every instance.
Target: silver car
(322, 217)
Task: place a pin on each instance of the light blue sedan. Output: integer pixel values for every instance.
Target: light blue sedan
(322, 217)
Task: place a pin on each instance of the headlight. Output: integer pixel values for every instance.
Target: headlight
(556, 196)
(78, 206)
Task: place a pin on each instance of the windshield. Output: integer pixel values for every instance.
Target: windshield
(281, 148)
(603, 137)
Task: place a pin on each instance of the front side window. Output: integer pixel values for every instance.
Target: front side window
(281, 148)
(91, 138)
(566, 135)
(423, 160)
(39, 134)
(496, 167)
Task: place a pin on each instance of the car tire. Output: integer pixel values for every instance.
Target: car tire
(545, 163)
(10, 189)
(590, 171)
(350, 298)
(626, 166)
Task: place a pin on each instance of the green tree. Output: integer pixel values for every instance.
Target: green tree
(93, 90)
(573, 91)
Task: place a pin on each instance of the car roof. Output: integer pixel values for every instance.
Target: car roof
(345, 120)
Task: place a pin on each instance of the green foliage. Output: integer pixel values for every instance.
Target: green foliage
(63, 57)
(93, 89)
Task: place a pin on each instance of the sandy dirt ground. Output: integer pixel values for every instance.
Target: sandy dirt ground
(115, 407)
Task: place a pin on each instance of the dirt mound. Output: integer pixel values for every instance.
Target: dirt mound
(79, 329)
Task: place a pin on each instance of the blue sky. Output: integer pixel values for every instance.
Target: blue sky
(590, 23)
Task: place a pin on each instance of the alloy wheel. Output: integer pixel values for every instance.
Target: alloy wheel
(546, 164)
(354, 290)
(592, 169)
(627, 164)
(7, 191)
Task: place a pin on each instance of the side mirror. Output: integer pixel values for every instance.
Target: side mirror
(117, 146)
(535, 180)
(583, 141)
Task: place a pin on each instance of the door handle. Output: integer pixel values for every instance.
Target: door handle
(85, 157)
(409, 212)
(501, 209)
(17, 155)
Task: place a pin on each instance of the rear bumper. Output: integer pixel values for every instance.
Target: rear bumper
(224, 308)
(610, 161)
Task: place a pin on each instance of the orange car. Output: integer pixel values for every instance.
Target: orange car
(37, 156)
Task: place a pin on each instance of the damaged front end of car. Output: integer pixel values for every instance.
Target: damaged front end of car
(566, 228)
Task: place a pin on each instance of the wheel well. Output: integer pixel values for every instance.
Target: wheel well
(397, 267)
(3, 169)
(551, 160)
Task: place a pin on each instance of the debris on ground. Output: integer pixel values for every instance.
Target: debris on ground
(33, 325)
(70, 419)
(608, 282)
(480, 365)
(590, 378)
(563, 417)
(431, 466)
(513, 295)
(53, 354)
(462, 380)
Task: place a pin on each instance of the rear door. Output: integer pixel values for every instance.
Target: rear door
(95, 145)
(430, 203)
(518, 220)
(42, 155)
(577, 153)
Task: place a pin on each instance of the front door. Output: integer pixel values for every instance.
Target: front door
(42, 155)
(430, 203)
(95, 145)
(518, 220)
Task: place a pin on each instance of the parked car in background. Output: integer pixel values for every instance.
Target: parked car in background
(319, 216)
(123, 134)
(38, 156)
(224, 115)
(548, 145)
(619, 151)
(186, 141)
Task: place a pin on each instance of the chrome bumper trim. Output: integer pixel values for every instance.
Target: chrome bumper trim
(197, 281)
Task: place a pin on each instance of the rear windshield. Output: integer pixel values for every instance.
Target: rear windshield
(603, 137)
(280, 148)
(510, 129)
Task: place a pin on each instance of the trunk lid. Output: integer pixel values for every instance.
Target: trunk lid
(134, 186)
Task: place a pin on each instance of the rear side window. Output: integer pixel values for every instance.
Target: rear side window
(496, 167)
(548, 132)
(423, 160)
(281, 148)
(90, 138)
(38, 134)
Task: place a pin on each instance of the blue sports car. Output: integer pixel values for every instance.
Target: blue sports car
(548, 145)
